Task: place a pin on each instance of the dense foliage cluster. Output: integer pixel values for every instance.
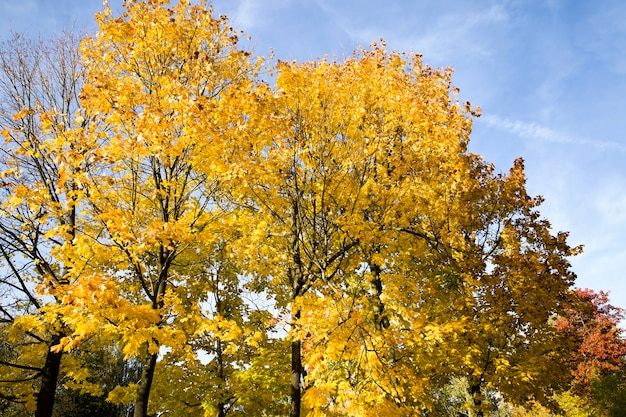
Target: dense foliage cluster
(180, 238)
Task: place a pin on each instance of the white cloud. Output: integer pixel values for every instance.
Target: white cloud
(247, 13)
(535, 131)
(253, 13)
(460, 34)
(409, 26)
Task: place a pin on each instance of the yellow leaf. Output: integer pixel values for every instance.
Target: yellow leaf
(7, 135)
(21, 114)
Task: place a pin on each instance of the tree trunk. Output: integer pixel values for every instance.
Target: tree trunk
(478, 399)
(296, 376)
(143, 391)
(382, 322)
(149, 366)
(49, 379)
(221, 406)
(297, 285)
(296, 370)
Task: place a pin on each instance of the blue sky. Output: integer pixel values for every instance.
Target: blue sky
(550, 76)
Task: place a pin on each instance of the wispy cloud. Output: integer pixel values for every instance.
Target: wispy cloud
(254, 13)
(415, 27)
(248, 14)
(460, 33)
(535, 131)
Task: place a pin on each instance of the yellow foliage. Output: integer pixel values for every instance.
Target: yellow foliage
(344, 202)
(573, 405)
(123, 395)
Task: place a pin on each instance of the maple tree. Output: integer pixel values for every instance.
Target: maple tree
(39, 84)
(506, 344)
(384, 238)
(103, 261)
(238, 357)
(510, 343)
(598, 356)
(163, 89)
(323, 169)
(594, 322)
(366, 204)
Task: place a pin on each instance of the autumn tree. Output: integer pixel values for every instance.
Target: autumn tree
(595, 322)
(401, 258)
(350, 184)
(165, 88)
(598, 353)
(512, 264)
(39, 86)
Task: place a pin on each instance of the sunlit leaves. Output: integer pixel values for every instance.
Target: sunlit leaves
(333, 233)
(164, 87)
(39, 83)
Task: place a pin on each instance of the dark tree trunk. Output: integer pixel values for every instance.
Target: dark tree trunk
(297, 286)
(143, 391)
(149, 366)
(382, 322)
(221, 406)
(49, 379)
(296, 376)
(478, 399)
